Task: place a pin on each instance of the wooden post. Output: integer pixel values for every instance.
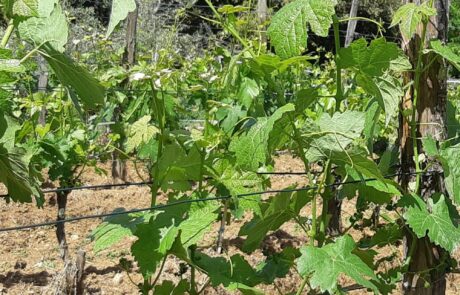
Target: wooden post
(352, 23)
(119, 170)
(60, 227)
(425, 276)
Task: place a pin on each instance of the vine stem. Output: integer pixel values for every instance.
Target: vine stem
(339, 93)
(8, 33)
(418, 73)
(155, 281)
(302, 286)
(323, 225)
(158, 104)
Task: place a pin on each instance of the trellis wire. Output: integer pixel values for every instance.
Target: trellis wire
(163, 206)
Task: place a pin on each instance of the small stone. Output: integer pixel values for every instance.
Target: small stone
(117, 279)
(74, 237)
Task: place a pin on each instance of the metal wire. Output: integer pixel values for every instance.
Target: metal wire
(158, 207)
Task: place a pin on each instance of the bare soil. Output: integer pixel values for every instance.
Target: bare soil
(30, 262)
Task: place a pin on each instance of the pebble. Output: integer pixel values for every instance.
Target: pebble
(117, 279)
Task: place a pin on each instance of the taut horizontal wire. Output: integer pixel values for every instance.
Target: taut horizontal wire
(158, 207)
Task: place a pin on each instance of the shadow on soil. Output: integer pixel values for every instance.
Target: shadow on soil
(12, 278)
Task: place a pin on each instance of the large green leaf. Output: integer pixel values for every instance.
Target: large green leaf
(251, 149)
(14, 165)
(235, 274)
(198, 223)
(277, 265)
(238, 182)
(335, 133)
(282, 208)
(116, 228)
(178, 166)
(370, 64)
(372, 60)
(72, 75)
(288, 30)
(14, 173)
(386, 89)
(409, 17)
(156, 238)
(437, 224)
(446, 52)
(325, 265)
(120, 10)
(52, 29)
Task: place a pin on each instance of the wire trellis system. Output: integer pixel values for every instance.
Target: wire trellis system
(163, 206)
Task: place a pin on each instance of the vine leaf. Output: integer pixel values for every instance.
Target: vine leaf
(409, 16)
(72, 75)
(156, 238)
(372, 60)
(14, 166)
(277, 265)
(325, 265)
(335, 134)
(26, 8)
(451, 158)
(8, 64)
(446, 52)
(370, 64)
(177, 167)
(52, 29)
(437, 224)
(288, 30)
(249, 90)
(120, 10)
(198, 223)
(236, 274)
(251, 149)
(282, 208)
(115, 228)
(169, 288)
(140, 132)
(238, 182)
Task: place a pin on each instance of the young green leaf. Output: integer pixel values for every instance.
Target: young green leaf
(446, 52)
(249, 90)
(325, 265)
(288, 29)
(410, 16)
(140, 132)
(25, 8)
(120, 10)
(437, 224)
